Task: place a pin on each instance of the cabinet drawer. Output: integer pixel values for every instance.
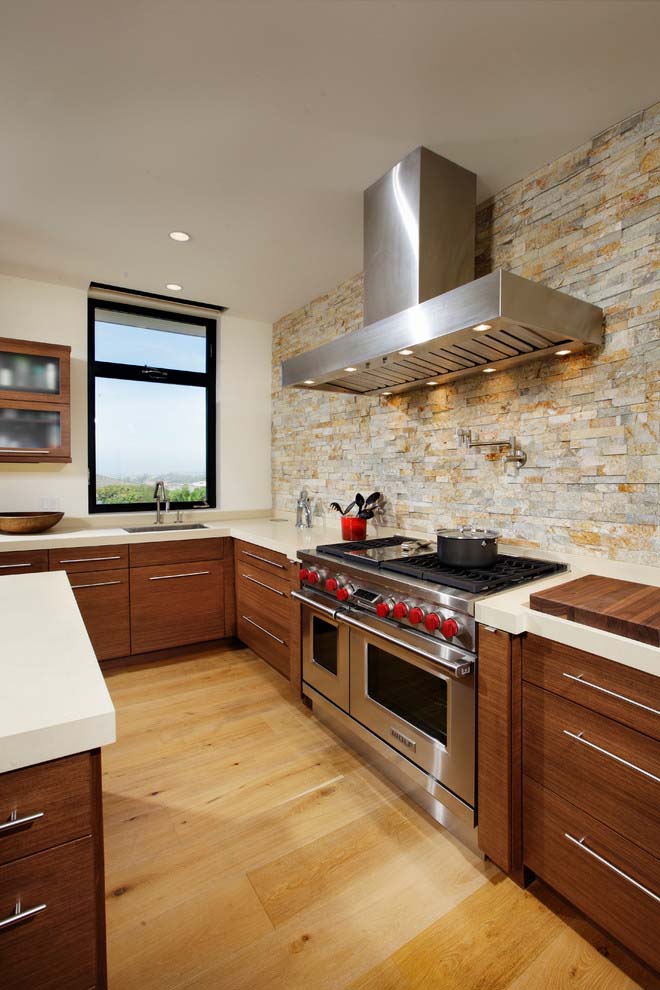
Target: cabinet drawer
(613, 881)
(265, 593)
(23, 561)
(55, 948)
(266, 560)
(623, 693)
(78, 559)
(268, 639)
(176, 604)
(59, 791)
(176, 551)
(102, 598)
(597, 764)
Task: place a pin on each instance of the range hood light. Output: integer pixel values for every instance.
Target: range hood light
(488, 371)
(385, 393)
(406, 352)
(433, 383)
(309, 381)
(481, 327)
(563, 353)
(350, 369)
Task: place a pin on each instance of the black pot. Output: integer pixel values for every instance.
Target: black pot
(467, 547)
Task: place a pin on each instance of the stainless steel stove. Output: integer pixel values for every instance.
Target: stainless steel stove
(390, 661)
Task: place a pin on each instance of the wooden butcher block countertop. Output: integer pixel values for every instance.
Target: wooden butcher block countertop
(621, 607)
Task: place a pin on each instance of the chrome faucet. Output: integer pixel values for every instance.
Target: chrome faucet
(303, 511)
(160, 496)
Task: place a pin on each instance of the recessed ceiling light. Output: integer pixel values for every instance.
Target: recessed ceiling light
(385, 393)
(488, 371)
(483, 326)
(406, 352)
(309, 381)
(433, 383)
(562, 353)
(350, 369)
(174, 287)
(179, 235)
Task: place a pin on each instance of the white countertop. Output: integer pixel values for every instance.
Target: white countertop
(53, 699)
(508, 610)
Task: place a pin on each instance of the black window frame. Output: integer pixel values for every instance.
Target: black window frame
(131, 372)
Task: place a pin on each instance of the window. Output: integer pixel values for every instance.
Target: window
(151, 407)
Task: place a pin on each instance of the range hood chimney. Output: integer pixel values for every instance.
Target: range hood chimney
(426, 320)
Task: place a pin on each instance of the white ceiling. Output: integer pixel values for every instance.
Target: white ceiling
(256, 126)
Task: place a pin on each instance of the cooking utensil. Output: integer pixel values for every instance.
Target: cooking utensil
(28, 522)
(371, 500)
(359, 501)
(366, 514)
(349, 507)
(337, 507)
(467, 546)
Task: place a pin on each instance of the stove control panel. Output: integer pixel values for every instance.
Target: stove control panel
(423, 616)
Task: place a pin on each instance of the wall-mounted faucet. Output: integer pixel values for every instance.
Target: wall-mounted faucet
(303, 511)
(515, 455)
(160, 496)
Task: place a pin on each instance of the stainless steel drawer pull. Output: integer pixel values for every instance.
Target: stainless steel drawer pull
(87, 560)
(95, 584)
(256, 556)
(579, 737)
(170, 577)
(615, 869)
(5, 566)
(15, 822)
(256, 624)
(261, 584)
(621, 697)
(20, 915)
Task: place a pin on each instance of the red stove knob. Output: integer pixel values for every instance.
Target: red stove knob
(313, 577)
(344, 593)
(331, 584)
(304, 573)
(416, 615)
(432, 622)
(383, 609)
(400, 610)
(450, 628)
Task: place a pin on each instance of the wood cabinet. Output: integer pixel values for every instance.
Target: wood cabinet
(23, 561)
(35, 407)
(52, 906)
(266, 617)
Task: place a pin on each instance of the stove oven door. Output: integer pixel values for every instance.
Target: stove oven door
(325, 660)
(417, 697)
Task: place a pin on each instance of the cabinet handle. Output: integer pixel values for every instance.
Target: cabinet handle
(272, 635)
(169, 577)
(15, 822)
(20, 915)
(95, 584)
(621, 697)
(86, 560)
(579, 737)
(256, 556)
(261, 584)
(23, 450)
(4, 566)
(615, 869)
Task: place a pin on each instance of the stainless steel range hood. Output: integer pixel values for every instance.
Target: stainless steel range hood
(427, 321)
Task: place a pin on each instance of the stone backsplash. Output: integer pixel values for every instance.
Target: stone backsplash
(588, 223)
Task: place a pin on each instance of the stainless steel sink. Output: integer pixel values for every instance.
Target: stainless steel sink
(176, 527)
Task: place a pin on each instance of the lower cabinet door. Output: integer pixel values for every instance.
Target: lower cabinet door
(102, 598)
(176, 604)
(53, 945)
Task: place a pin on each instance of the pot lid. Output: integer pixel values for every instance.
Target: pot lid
(467, 533)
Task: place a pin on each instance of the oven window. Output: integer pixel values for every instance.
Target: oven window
(324, 644)
(411, 693)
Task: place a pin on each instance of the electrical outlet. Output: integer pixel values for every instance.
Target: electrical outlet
(48, 503)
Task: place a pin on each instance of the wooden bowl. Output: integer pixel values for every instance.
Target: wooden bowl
(28, 522)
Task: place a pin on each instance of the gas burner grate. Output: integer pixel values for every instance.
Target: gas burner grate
(342, 549)
(506, 572)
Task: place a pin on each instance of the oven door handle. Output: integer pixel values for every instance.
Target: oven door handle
(315, 602)
(457, 668)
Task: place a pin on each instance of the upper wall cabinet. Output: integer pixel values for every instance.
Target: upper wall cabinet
(34, 402)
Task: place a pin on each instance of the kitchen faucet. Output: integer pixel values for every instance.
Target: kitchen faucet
(303, 511)
(160, 495)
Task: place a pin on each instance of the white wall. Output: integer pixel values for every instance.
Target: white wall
(32, 310)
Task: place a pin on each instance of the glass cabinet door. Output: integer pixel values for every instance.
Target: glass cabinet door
(36, 374)
(34, 432)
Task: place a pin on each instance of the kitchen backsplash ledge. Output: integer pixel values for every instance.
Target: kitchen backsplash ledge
(589, 224)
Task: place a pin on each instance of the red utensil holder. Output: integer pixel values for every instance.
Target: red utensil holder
(353, 528)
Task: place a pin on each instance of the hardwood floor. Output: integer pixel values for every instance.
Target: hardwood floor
(248, 849)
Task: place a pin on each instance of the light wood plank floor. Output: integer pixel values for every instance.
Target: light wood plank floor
(248, 849)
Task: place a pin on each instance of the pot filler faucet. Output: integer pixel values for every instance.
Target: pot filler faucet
(160, 496)
(303, 511)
